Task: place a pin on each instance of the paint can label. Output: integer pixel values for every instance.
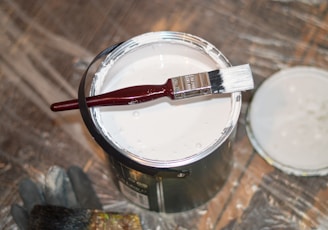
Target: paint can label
(136, 197)
(134, 185)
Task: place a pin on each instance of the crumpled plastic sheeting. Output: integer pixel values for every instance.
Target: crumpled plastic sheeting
(278, 204)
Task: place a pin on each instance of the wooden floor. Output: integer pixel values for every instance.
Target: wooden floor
(46, 45)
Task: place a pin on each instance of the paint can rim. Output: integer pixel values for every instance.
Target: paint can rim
(170, 36)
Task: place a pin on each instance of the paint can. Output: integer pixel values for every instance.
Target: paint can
(166, 156)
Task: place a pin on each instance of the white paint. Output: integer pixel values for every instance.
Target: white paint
(288, 120)
(163, 129)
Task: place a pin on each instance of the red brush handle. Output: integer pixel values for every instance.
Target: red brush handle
(125, 96)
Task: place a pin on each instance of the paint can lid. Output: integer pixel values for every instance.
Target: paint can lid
(287, 120)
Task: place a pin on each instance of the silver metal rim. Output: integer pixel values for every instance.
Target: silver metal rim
(188, 40)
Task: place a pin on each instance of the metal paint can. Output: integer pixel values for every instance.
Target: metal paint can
(166, 156)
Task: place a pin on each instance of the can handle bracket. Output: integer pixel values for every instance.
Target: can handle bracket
(171, 173)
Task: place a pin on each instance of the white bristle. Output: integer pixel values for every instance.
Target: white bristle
(237, 78)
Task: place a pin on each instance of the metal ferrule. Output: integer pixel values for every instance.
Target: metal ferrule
(191, 85)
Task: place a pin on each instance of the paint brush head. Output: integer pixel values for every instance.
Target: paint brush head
(55, 217)
(232, 79)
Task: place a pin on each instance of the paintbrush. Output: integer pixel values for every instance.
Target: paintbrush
(56, 217)
(227, 80)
